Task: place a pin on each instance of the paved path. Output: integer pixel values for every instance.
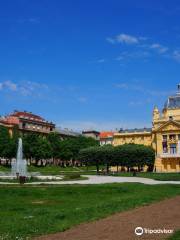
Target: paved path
(93, 179)
(121, 226)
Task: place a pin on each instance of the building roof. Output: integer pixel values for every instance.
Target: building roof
(106, 135)
(11, 120)
(66, 132)
(17, 116)
(27, 115)
(134, 130)
(90, 131)
(173, 101)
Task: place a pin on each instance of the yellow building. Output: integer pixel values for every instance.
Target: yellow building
(164, 136)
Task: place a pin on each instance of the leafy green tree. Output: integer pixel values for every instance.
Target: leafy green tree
(127, 155)
(66, 153)
(36, 147)
(92, 156)
(55, 142)
(12, 149)
(4, 142)
(135, 155)
(30, 143)
(42, 150)
(70, 147)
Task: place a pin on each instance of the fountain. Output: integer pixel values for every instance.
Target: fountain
(19, 169)
(19, 165)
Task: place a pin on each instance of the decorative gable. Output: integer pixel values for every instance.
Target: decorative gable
(169, 126)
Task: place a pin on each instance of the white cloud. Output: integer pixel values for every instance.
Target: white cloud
(102, 60)
(176, 55)
(111, 40)
(128, 39)
(9, 85)
(140, 42)
(140, 88)
(131, 55)
(125, 39)
(24, 88)
(161, 49)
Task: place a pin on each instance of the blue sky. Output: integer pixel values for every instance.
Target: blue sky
(100, 64)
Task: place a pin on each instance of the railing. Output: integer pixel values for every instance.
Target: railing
(169, 155)
(35, 129)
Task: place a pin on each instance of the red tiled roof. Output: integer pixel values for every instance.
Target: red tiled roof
(27, 115)
(10, 120)
(106, 134)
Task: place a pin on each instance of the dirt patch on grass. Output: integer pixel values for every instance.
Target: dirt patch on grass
(38, 202)
(161, 215)
(46, 202)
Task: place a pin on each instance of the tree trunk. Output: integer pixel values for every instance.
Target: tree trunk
(117, 168)
(107, 168)
(97, 167)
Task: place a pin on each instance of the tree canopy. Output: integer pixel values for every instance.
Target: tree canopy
(127, 155)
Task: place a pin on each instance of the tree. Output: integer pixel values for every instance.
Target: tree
(55, 142)
(135, 155)
(91, 156)
(42, 150)
(30, 143)
(36, 147)
(12, 149)
(70, 147)
(4, 142)
(127, 155)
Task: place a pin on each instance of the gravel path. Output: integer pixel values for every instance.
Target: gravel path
(121, 226)
(93, 179)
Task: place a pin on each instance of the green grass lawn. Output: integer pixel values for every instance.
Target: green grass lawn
(4, 169)
(55, 170)
(27, 211)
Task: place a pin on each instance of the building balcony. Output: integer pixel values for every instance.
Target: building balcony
(169, 155)
(34, 129)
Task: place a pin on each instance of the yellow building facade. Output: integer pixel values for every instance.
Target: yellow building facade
(164, 136)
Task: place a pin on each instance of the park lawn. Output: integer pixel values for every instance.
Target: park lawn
(152, 175)
(4, 169)
(27, 211)
(55, 170)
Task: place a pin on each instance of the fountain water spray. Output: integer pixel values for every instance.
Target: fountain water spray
(19, 166)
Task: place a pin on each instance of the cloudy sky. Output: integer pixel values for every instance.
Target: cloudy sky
(95, 64)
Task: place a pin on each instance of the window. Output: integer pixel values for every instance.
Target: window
(165, 148)
(173, 148)
(164, 138)
(172, 137)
